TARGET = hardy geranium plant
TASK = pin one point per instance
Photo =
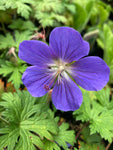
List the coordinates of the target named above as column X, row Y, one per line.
column 62, row 66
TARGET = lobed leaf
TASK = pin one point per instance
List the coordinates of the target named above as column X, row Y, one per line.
column 99, row 115
column 21, row 5
column 14, row 72
column 90, row 141
column 61, row 139
column 27, row 122
column 20, row 24
column 14, row 42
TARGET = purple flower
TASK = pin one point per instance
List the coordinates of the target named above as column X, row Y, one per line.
column 62, row 65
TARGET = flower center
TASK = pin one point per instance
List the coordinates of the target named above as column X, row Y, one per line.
column 57, row 69
column 61, row 68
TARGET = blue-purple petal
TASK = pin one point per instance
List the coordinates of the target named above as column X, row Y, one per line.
column 35, row 80
column 67, row 44
column 66, row 95
column 91, row 73
column 35, row 53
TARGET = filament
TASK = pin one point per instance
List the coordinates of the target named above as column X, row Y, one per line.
column 47, row 87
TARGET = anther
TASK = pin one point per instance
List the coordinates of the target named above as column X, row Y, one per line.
column 46, row 87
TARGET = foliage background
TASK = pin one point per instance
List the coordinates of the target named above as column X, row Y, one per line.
column 28, row 123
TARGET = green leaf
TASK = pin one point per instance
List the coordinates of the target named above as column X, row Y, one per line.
column 65, row 136
column 99, row 116
column 14, row 42
column 89, row 142
column 20, row 24
column 9, row 138
column 100, row 124
column 85, row 146
column 36, row 140
column 61, row 138
column 50, row 13
column 90, row 139
column 22, row 6
column 27, row 139
column 49, row 5
column 47, row 19
column 100, row 13
column 83, row 112
column 103, row 97
column 28, row 122
column 106, row 43
column 79, row 17
column 82, row 15
column 92, row 11
column 104, row 14
column 23, row 9
column 14, row 72
column 4, row 41
column 41, row 127
column 51, row 146
column 71, row 8
column 21, row 36
column 2, row 7
column 108, row 38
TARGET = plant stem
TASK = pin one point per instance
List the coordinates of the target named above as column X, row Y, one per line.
column 91, row 34
column 107, row 147
column 78, row 134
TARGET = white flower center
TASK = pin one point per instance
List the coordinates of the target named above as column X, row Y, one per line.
column 59, row 70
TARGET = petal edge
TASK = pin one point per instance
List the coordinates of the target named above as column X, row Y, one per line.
column 67, row 96
column 91, row 73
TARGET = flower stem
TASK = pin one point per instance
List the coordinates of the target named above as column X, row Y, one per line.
column 91, row 34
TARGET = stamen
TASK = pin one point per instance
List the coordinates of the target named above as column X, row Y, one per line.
column 47, row 87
